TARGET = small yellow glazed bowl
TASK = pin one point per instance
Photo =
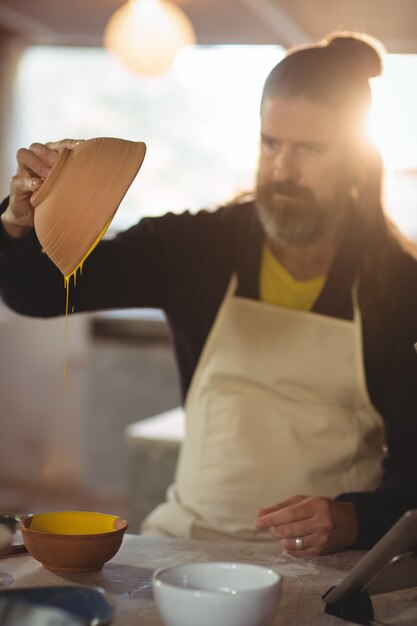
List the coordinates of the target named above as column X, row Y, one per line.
column 72, row 542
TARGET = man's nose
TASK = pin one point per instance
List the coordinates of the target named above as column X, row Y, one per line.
column 285, row 165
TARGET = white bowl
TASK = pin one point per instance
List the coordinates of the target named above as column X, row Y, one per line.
column 214, row 594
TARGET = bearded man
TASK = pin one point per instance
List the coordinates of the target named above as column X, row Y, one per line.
column 292, row 316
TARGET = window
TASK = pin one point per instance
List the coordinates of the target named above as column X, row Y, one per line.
column 200, row 121
column 394, row 127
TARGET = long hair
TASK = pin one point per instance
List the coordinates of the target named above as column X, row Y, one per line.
column 336, row 72
column 384, row 250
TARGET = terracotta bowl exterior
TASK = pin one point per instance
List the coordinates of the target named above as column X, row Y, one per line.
column 80, row 196
column 72, row 542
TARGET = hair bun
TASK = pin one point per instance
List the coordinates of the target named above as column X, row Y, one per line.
column 361, row 51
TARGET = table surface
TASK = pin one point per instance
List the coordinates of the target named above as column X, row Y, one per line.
column 126, row 579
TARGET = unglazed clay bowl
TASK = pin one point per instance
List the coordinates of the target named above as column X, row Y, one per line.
column 80, row 196
column 72, row 542
column 230, row 594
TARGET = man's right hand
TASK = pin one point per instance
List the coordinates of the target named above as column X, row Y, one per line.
column 33, row 166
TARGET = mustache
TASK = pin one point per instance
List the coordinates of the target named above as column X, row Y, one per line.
column 287, row 188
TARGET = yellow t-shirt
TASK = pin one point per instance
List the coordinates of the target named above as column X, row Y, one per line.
column 278, row 287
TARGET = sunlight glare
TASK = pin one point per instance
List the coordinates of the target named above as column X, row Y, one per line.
column 393, row 120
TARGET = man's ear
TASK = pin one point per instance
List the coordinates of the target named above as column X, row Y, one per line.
column 356, row 170
column 367, row 171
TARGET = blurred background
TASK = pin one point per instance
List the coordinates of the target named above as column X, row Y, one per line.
column 187, row 83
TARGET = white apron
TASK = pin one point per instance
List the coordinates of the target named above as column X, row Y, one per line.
column 278, row 406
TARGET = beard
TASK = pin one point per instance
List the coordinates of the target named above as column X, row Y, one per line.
column 290, row 213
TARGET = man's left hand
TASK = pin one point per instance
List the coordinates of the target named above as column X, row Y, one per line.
column 324, row 525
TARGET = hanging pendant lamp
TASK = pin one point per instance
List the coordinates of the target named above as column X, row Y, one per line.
column 146, row 35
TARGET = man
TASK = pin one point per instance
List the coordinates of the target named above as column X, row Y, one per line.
column 293, row 319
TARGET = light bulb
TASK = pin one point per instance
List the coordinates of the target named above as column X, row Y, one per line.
column 146, row 35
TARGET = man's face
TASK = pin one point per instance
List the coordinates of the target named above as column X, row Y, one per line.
column 304, row 178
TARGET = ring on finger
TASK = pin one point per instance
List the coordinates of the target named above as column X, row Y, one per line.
column 299, row 543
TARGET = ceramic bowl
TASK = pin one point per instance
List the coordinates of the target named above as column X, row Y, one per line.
column 71, row 542
column 5, row 539
column 80, row 196
column 230, row 594
column 11, row 521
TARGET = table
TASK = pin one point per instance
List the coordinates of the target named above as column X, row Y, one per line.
column 127, row 579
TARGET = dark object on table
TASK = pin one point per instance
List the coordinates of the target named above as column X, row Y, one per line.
column 86, row 604
column 389, row 566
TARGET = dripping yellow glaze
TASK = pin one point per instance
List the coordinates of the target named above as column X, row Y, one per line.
column 67, row 281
